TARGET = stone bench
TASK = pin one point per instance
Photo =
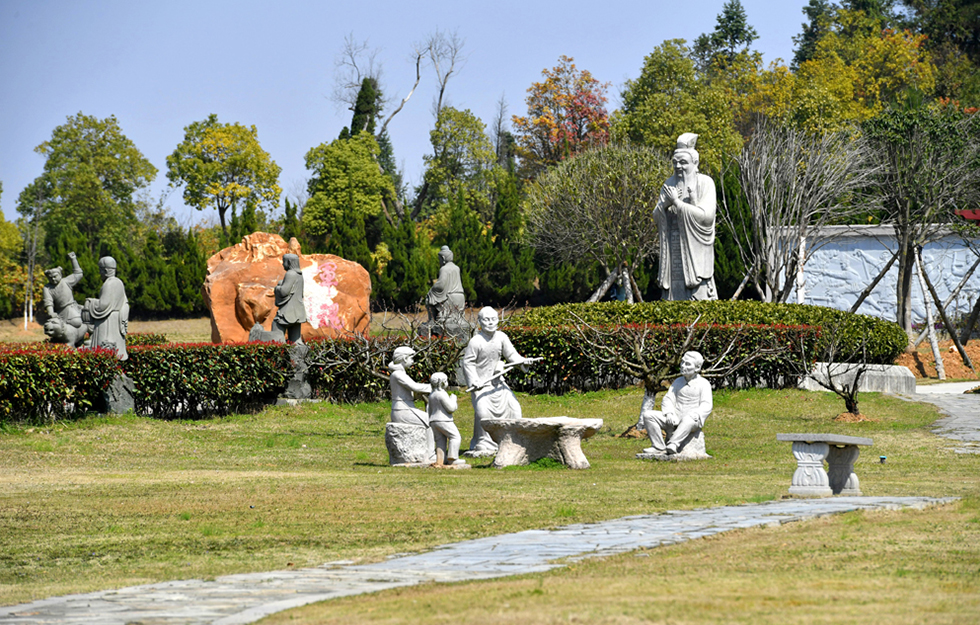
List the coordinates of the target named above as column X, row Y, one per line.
column 523, row 441
column 840, row 452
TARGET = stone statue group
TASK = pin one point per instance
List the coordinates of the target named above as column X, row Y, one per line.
column 685, row 216
column 104, row 318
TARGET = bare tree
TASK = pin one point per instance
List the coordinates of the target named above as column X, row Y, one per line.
column 793, row 184
column 599, row 206
column 445, row 52
column 833, row 367
column 927, row 165
column 639, row 352
column 356, row 61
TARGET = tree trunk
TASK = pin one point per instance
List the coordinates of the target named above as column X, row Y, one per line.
column 967, row 332
column 604, row 287
column 871, row 287
column 930, row 327
column 906, row 269
column 942, row 313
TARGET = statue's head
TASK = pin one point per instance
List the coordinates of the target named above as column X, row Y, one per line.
column 686, row 159
column 107, row 267
column 487, row 317
column 439, row 380
column 691, row 364
column 445, row 255
column 54, row 275
column 290, row 261
column 403, row 356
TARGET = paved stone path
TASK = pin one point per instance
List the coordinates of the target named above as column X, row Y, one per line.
column 962, row 420
column 239, row 599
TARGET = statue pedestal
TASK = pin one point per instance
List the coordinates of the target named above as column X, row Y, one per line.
column 408, row 445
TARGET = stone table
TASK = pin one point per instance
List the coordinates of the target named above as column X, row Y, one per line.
column 523, row 441
column 840, row 452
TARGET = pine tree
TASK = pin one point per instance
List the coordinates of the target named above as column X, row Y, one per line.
column 511, row 271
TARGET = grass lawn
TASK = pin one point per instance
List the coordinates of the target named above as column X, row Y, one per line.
column 110, row 502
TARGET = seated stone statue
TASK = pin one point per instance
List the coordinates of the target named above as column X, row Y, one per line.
column 484, row 362
column 64, row 323
column 446, row 301
column 109, row 313
column 682, row 414
column 442, row 405
column 409, row 437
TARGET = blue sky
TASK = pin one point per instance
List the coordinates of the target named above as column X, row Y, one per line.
column 158, row 66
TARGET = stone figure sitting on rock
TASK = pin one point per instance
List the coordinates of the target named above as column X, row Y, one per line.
column 109, row 313
column 446, row 301
column 442, row 405
column 488, row 355
column 682, row 414
column 64, row 323
column 411, row 440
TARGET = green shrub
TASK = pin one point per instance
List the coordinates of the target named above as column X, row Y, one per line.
column 885, row 340
column 43, row 382
column 200, row 379
column 137, row 339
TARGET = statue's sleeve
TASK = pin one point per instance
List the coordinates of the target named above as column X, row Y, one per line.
column 439, row 291
column 76, row 273
column 507, row 350
column 706, row 405
column 469, row 363
column 669, row 403
column 111, row 299
column 406, row 380
column 452, row 403
column 284, row 290
column 47, row 300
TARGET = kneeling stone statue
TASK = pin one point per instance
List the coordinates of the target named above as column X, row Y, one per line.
column 681, row 416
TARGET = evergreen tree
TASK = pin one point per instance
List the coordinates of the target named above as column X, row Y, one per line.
column 511, row 271
column 367, row 107
column 819, row 14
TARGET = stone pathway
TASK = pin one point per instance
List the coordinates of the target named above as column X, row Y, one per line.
column 962, row 420
column 239, row 599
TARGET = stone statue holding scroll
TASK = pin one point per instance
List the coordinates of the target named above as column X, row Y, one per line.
column 685, row 215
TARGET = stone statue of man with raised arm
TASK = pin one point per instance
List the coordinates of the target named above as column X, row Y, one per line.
column 685, row 215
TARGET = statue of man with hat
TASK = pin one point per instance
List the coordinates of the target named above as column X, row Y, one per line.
column 685, row 215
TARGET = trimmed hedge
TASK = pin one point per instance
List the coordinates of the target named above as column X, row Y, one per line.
column 192, row 380
column 885, row 339
column 41, row 382
column 568, row 364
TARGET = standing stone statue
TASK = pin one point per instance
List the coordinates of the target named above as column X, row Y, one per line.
column 682, row 414
column 446, row 301
column 64, row 323
column 441, row 407
column 484, row 367
column 109, row 313
column 408, row 436
column 685, row 215
column 291, row 315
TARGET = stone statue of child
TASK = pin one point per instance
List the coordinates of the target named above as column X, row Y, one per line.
column 685, row 216
column 682, row 414
column 64, row 323
column 446, row 301
column 291, row 315
column 109, row 313
column 441, row 407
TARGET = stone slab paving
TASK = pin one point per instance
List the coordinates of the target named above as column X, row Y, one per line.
column 246, row 598
column 962, row 420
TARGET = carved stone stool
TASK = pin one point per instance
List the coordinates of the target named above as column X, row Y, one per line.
column 522, row 441
column 840, row 452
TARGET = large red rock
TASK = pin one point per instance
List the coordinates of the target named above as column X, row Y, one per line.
column 238, row 290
